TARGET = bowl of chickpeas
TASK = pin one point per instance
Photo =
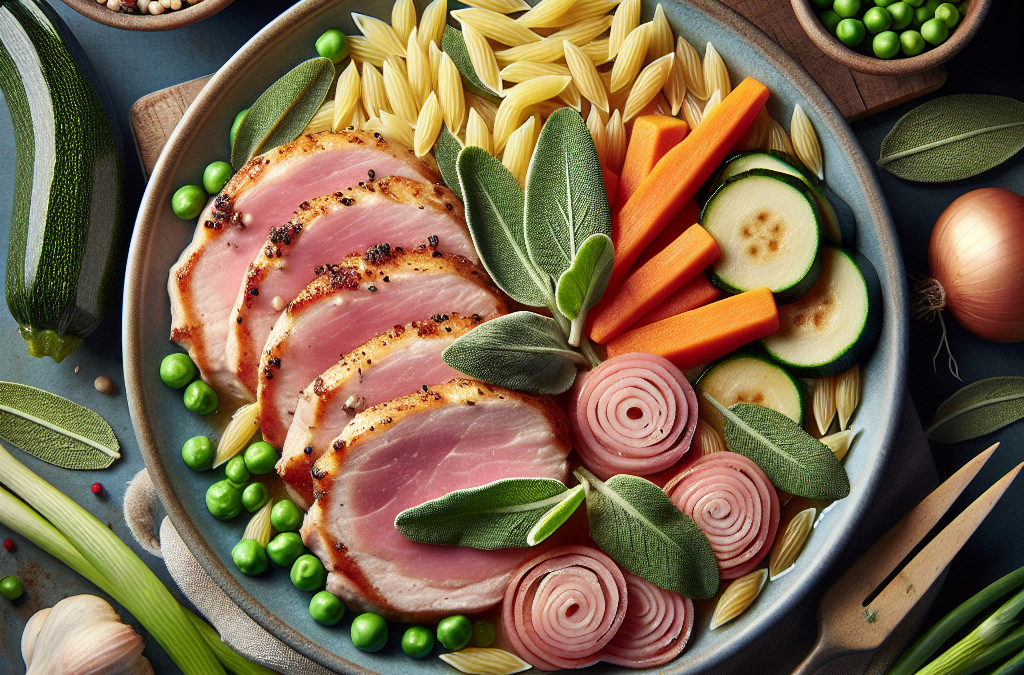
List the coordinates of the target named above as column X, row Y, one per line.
column 890, row 37
column 147, row 14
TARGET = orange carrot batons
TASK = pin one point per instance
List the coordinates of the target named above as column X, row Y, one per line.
column 706, row 333
column 612, row 184
column 679, row 224
column 653, row 136
column 695, row 293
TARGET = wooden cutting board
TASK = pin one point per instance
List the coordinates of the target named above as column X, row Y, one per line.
column 857, row 95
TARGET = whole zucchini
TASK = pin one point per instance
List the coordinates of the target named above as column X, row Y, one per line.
column 67, row 226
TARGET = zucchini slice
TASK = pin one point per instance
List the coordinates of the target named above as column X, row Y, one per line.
column 836, row 324
column 768, row 228
column 748, row 378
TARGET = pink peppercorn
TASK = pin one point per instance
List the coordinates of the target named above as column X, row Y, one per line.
column 9, row 544
column 97, row 488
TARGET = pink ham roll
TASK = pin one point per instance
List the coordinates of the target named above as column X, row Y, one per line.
column 634, row 413
column 564, row 606
column 656, row 628
column 734, row 503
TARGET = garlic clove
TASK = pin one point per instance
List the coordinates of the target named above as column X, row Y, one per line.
column 102, row 648
column 28, row 637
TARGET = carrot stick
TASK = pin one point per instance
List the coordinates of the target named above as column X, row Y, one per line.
column 695, row 293
column 653, row 136
column 612, row 184
column 646, row 287
column 706, row 333
column 679, row 224
column 680, row 173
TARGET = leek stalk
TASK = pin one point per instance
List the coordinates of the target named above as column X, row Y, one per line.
column 970, row 650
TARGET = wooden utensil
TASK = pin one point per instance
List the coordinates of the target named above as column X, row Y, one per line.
column 847, row 622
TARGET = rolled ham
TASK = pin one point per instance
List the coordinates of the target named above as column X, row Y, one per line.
column 734, row 503
column 564, row 606
column 634, row 414
column 656, row 628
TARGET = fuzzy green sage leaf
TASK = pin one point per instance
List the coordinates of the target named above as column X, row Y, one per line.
column 954, row 137
column 582, row 285
column 502, row 514
column 638, row 526
column 792, row 459
column 522, row 351
column 978, row 409
column 281, row 112
column 446, row 152
column 54, row 429
column 454, row 45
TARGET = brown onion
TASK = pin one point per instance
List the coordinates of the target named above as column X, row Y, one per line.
column 656, row 628
column 976, row 256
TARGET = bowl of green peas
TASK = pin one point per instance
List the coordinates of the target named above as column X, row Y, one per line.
column 890, row 37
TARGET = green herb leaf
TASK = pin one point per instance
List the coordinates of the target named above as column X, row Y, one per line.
column 792, row 459
column 978, row 409
column 638, row 526
column 954, row 137
column 565, row 198
column 454, row 45
column 446, row 152
column 54, row 429
column 556, row 516
column 281, row 112
column 583, row 284
column 501, row 514
column 522, row 351
column 494, row 214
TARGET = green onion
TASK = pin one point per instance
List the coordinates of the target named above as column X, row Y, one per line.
column 929, row 643
column 1014, row 666
column 997, row 652
column 964, row 654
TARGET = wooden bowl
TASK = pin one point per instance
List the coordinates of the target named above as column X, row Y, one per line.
column 828, row 43
column 166, row 21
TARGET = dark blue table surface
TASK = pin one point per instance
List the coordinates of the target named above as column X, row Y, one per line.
column 133, row 64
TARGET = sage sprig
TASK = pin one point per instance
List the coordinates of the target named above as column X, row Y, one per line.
column 281, row 112
column 54, row 429
column 502, row 514
column 978, row 409
column 454, row 45
column 792, row 459
column 638, row 526
column 954, row 137
column 446, row 152
column 582, row 285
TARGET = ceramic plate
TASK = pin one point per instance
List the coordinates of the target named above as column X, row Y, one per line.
column 162, row 424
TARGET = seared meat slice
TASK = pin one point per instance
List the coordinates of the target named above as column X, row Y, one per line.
column 351, row 302
column 204, row 283
column 397, row 210
column 400, row 454
column 391, row 365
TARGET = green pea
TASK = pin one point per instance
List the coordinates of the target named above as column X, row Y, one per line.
column 935, row 31
column 238, row 122
column 260, row 457
column 947, row 13
column 197, row 453
column 223, row 500
column 483, row 633
column 11, row 588
column 216, row 176
column 307, row 573
column 332, row 45
column 850, row 32
column 285, row 549
column 914, row 3
column 877, row 20
column 823, row 4
column 455, row 632
column 902, row 14
column 249, row 557
column 369, row 632
column 235, row 470
column 962, row 7
column 326, row 608
column 188, row 201
column 884, row 3
column 255, row 497
column 286, row 516
column 200, row 398
column 932, row 5
column 886, row 44
column 830, row 20
column 177, row 370
column 846, row 8
column 417, row 641
column 912, row 42
column 921, row 14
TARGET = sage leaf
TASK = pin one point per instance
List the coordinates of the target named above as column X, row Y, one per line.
column 494, row 215
column 54, row 429
column 638, row 526
column 565, row 198
column 978, row 409
column 454, row 45
column 954, row 137
column 446, row 152
column 556, row 516
column 498, row 515
column 792, row 459
column 582, row 285
column 281, row 112
column 522, row 351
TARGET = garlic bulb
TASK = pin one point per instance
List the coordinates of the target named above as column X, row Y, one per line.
column 82, row 635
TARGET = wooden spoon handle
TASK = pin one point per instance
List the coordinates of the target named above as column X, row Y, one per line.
column 824, row 652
